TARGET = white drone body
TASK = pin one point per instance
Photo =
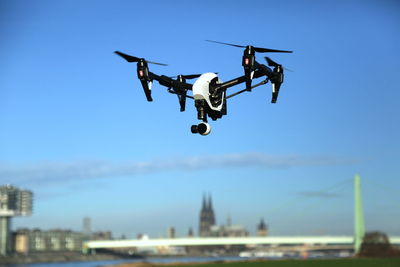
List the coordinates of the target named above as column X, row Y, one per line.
column 201, row 89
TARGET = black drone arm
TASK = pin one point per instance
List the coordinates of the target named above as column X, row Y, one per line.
column 236, row 81
column 247, row 90
column 261, row 70
column 177, row 87
column 168, row 82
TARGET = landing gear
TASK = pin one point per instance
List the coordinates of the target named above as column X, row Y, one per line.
column 202, row 128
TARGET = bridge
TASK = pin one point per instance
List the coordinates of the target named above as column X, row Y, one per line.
column 207, row 241
column 324, row 241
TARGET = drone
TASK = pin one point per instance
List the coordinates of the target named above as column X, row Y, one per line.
column 208, row 91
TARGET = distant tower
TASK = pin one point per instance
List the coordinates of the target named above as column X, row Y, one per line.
column 211, row 211
column 207, row 217
column 87, row 227
column 229, row 221
column 190, row 232
column 203, row 227
column 171, row 232
column 262, row 228
column 13, row 202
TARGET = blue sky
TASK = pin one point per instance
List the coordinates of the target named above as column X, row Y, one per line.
column 75, row 127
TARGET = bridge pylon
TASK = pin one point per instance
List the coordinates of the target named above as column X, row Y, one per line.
column 359, row 227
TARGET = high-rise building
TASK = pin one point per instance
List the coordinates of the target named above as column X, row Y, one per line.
column 190, row 232
column 87, row 227
column 171, row 232
column 13, row 202
column 25, row 202
column 207, row 217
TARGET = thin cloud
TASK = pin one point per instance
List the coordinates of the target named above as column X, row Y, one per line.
column 63, row 171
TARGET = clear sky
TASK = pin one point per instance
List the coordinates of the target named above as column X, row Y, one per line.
column 75, row 127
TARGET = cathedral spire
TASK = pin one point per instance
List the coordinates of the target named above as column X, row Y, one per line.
column 210, row 208
column 204, row 207
column 210, row 211
column 207, row 217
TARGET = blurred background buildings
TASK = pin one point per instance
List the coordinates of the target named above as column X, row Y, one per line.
column 18, row 202
column 13, row 202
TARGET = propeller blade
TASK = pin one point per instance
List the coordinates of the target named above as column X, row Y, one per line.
column 127, row 57
column 136, row 59
column 264, row 50
column 270, row 62
column 235, row 45
column 257, row 49
column 156, row 63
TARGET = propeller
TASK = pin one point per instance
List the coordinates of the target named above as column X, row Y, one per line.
column 142, row 72
column 272, row 63
column 136, row 59
column 257, row 49
column 248, row 60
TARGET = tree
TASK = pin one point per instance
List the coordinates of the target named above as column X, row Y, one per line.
column 376, row 244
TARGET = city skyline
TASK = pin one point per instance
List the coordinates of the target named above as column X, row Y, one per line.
column 206, row 207
column 202, row 214
column 76, row 129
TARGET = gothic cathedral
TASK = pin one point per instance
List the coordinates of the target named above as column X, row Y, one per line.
column 207, row 217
